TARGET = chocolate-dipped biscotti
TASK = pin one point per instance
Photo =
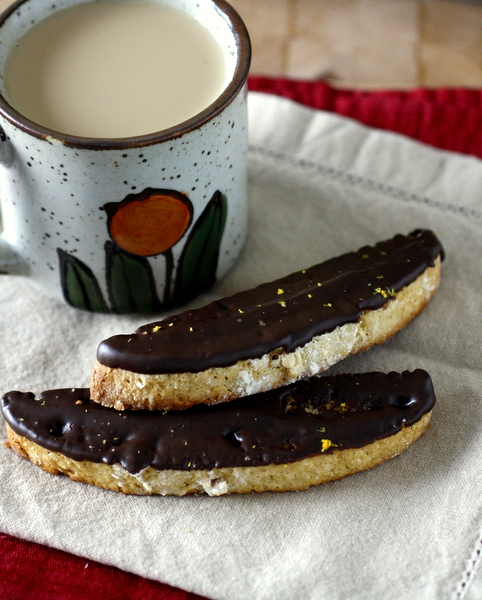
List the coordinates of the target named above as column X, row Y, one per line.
column 274, row 334
column 305, row 434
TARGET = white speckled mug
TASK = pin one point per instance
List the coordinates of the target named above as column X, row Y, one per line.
column 134, row 224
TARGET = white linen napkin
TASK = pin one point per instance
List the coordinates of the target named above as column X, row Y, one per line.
column 320, row 185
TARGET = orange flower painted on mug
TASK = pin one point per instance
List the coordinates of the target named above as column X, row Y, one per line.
column 149, row 223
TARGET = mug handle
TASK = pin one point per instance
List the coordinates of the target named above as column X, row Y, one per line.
column 10, row 261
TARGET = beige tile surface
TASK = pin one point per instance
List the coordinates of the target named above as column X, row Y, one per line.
column 369, row 39
column 367, row 43
column 269, row 23
column 452, row 43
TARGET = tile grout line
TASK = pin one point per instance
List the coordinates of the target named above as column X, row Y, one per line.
column 289, row 36
column 421, row 21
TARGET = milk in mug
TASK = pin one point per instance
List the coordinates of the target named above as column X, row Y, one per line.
column 115, row 69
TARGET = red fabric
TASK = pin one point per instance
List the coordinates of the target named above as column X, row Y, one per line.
column 450, row 119
column 30, row 571
column 446, row 118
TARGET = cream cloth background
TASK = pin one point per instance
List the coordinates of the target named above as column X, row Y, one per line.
column 320, row 185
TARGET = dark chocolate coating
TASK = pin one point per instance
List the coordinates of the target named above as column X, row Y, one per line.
column 281, row 426
column 284, row 314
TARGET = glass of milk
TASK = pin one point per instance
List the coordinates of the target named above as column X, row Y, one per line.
column 123, row 147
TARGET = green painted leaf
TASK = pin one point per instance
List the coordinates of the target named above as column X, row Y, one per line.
column 130, row 282
column 79, row 284
column 196, row 271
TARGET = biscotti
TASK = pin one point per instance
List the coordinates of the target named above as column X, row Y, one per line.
column 272, row 335
column 305, row 434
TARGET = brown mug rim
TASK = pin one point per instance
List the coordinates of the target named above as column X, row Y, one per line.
column 236, row 84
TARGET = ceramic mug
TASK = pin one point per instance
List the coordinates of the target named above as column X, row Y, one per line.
column 84, row 219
